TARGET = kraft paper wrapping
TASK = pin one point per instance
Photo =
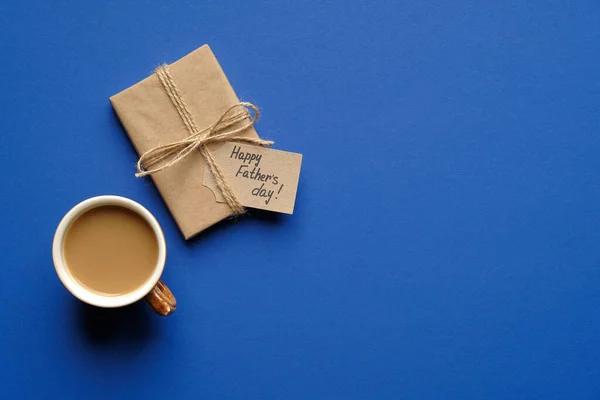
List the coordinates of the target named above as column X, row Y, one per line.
column 150, row 119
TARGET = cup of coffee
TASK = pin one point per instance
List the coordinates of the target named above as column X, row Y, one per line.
column 110, row 251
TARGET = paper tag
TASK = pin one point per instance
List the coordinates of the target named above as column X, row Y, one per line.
column 259, row 176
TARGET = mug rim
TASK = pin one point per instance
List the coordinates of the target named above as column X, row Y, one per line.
column 83, row 293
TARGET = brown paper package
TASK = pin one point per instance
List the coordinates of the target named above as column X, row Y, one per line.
column 150, row 119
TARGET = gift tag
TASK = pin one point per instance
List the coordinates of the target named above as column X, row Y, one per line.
column 259, row 176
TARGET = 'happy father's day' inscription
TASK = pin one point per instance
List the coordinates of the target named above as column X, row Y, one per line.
column 250, row 169
column 260, row 177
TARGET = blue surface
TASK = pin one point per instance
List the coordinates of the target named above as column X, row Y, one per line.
column 445, row 240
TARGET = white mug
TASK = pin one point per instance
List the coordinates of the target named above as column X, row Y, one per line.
column 156, row 293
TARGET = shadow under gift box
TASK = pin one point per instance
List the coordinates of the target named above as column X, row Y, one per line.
column 150, row 120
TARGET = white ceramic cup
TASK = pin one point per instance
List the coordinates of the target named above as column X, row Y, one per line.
column 156, row 293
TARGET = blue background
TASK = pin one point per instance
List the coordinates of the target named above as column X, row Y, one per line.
column 445, row 239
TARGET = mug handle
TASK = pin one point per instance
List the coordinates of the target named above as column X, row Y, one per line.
column 161, row 299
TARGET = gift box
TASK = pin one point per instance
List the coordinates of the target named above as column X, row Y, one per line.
column 150, row 120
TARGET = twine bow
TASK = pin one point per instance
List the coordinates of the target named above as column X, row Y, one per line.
column 235, row 120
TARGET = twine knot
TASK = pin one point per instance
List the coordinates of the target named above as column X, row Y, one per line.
column 233, row 121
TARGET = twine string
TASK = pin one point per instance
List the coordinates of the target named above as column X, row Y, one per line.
column 226, row 129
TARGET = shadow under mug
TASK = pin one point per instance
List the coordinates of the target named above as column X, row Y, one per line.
column 155, row 292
